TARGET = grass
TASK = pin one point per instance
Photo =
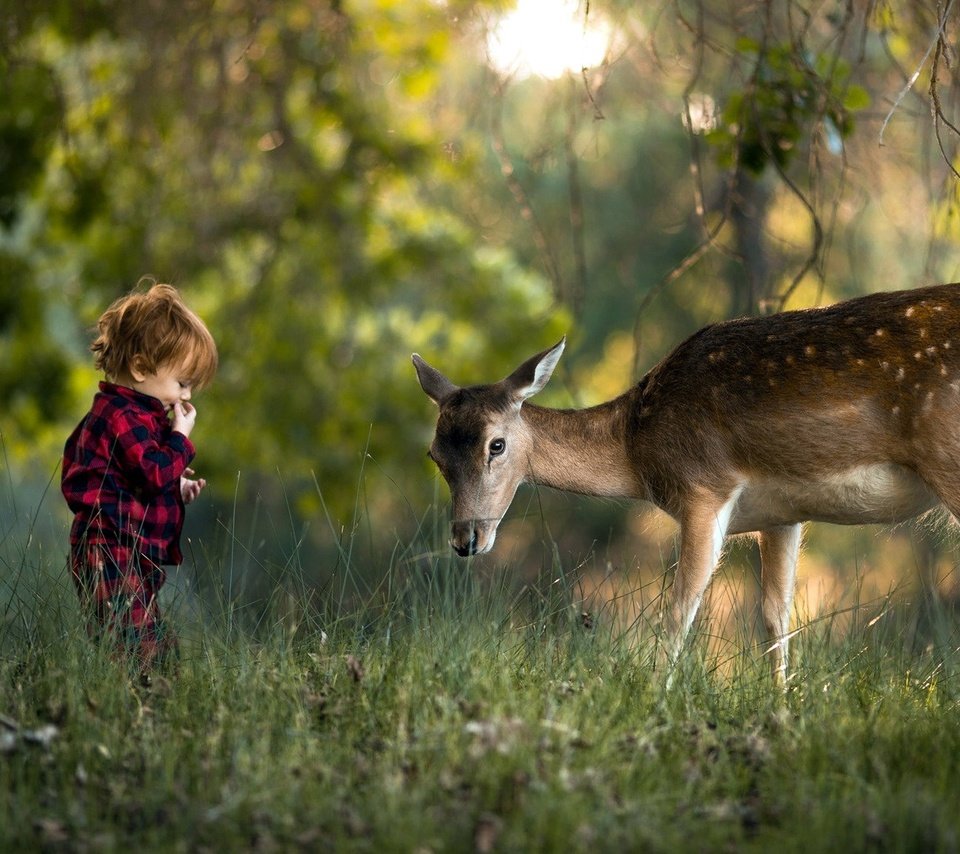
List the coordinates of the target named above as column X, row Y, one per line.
column 449, row 710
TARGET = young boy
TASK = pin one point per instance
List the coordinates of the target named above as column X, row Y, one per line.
column 126, row 472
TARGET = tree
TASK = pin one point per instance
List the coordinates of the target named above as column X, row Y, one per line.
column 274, row 160
column 798, row 124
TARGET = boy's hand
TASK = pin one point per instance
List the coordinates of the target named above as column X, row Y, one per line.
column 189, row 488
column 184, row 417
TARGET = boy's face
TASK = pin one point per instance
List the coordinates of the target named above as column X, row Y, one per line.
column 167, row 385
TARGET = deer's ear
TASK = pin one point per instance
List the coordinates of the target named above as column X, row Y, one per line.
column 436, row 386
column 534, row 374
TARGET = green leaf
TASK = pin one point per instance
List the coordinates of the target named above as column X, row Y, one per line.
column 856, row 98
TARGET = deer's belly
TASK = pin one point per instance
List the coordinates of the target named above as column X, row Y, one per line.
column 882, row 493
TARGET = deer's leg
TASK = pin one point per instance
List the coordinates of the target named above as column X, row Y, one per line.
column 703, row 528
column 947, row 488
column 942, row 475
column 779, row 550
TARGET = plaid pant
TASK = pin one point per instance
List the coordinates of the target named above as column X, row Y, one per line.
column 118, row 589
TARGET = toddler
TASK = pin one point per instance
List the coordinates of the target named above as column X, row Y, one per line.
column 126, row 472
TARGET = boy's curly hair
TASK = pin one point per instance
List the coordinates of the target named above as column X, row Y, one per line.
column 153, row 329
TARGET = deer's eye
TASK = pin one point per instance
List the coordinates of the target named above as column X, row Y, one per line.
column 497, row 447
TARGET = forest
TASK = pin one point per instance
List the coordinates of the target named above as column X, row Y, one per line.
column 336, row 185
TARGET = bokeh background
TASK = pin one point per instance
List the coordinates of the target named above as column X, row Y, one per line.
column 335, row 184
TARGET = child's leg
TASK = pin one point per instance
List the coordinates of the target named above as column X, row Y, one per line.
column 118, row 589
column 96, row 575
column 149, row 634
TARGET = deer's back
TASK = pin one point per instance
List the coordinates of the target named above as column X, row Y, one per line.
column 863, row 382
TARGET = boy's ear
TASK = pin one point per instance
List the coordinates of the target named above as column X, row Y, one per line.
column 138, row 368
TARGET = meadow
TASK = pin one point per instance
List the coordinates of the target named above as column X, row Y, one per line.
column 445, row 706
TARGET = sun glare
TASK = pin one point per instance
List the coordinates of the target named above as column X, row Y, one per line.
column 547, row 38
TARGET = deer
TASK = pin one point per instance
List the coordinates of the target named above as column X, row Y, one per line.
column 846, row 414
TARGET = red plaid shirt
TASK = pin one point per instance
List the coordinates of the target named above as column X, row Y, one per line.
column 121, row 475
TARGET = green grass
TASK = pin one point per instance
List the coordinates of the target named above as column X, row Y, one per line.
column 450, row 710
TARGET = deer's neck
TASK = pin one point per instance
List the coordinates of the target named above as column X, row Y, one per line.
column 581, row 450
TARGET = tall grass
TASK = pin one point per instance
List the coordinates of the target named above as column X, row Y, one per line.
column 445, row 707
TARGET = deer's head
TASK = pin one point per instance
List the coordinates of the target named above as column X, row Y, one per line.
column 482, row 446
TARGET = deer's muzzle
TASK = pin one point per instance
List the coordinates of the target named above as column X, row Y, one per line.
column 471, row 537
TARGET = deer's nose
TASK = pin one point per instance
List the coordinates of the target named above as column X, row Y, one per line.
column 464, row 539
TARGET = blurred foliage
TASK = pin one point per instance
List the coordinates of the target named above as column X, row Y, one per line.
column 334, row 185
column 277, row 161
column 29, row 118
column 789, row 93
